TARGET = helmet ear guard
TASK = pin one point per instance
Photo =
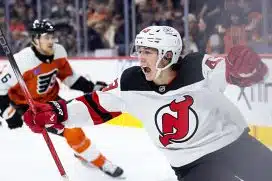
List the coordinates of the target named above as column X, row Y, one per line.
column 166, row 60
column 168, row 56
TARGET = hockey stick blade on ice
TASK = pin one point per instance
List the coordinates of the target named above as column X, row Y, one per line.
column 30, row 102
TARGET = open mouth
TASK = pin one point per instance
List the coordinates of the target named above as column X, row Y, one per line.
column 146, row 69
column 50, row 46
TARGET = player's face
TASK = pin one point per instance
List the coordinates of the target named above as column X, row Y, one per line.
column 148, row 58
column 45, row 44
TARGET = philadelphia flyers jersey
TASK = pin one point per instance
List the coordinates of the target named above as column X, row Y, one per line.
column 40, row 77
column 186, row 119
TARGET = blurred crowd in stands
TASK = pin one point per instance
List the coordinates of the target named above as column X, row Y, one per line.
column 214, row 25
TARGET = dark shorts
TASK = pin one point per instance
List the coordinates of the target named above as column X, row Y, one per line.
column 246, row 159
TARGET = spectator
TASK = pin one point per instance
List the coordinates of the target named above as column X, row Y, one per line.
column 17, row 24
column 101, row 28
column 235, row 33
column 19, row 41
column 94, row 40
column 177, row 21
column 238, row 23
column 191, row 45
column 254, row 19
column 215, row 44
column 62, row 15
column 209, row 13
column 98, row 12
column 217, row 24
column 2, row 16
column 110, row 33
column 30, row 16
column 19, row 10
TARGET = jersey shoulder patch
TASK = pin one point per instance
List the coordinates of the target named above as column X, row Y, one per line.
column 210, row 63
column 132, row 79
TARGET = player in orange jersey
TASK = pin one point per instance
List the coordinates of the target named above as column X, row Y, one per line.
column 41, row 65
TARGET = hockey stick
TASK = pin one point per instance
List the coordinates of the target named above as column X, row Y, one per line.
column 30, row 102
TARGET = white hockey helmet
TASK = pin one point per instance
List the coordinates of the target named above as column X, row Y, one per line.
column 164, row 39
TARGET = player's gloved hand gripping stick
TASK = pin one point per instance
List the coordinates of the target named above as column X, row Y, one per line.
column 30, row 102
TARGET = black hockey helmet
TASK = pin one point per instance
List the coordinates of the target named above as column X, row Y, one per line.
column 40, row 27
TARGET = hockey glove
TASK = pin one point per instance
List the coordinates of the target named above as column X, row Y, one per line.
column 14, row 121
column 99, row 85
column 51, row 114
column 12, row 117
column 244, row 67
column 88, row 86
column 9, row 113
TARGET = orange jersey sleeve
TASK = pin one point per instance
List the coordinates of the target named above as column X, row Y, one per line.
column 65, row 69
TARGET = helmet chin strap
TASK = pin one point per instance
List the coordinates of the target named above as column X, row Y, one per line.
column 158, row 73
column 159, row 70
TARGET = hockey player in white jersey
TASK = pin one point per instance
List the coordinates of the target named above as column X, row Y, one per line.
column 41, row 65
column 182, row 106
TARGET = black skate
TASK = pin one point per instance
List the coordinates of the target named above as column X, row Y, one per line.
column 112, row 170
column 108, row 168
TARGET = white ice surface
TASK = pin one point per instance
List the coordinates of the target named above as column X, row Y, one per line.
column 24, row 156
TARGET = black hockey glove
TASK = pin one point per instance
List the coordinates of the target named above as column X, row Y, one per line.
column 99, row 85
column 12, row 117
column 15, row 121
column 7, row 112
column 87, row 86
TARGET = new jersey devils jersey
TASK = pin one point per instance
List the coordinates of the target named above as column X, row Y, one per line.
column 186, row 119
column 39, row 77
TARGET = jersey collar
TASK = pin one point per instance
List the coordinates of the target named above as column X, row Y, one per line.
column 41, row 57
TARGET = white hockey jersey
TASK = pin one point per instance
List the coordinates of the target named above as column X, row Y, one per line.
column 186, row 119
